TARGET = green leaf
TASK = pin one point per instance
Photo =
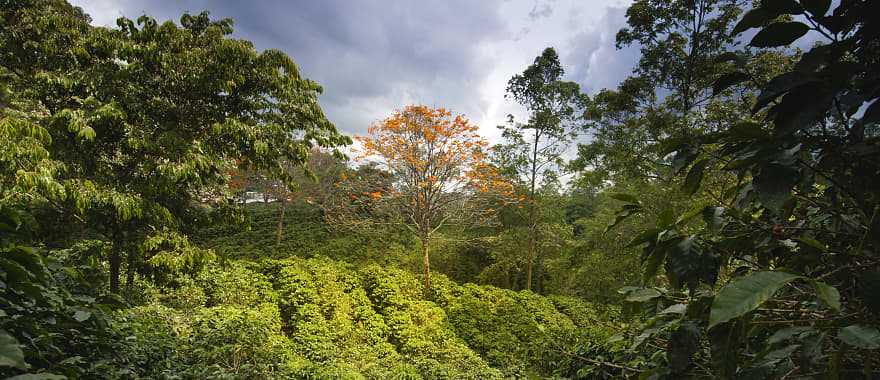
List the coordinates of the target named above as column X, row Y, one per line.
column 779, row 34
column 828, row 294
column 678, row 308
column 38, row 376
column 812, row 243
column 646, row 236
column 773, row 184
column 746, row 294
column 623, row 197
column 10, row 352
column 713, row 216
column 777, row 86
column 695, row 177
column 690, row 214
column 816, row 7
column 642, row 295
column 682, row 159
column 860, row 336
column 627, row 211
column 786, row 334
column 725, row 81
column 666, row 218
column 752, row 19
column 86, row 133
column 683, row 343
column 82, row 315
column 723, row 343
column 654, row 259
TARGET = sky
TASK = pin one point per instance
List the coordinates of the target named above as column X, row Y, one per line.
column 373, row 57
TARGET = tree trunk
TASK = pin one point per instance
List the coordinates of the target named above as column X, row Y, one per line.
column 280, row 231
column 532, row 222
column 129, row 273
column 115, row 261
column 531, row 248
column 539, row 284
column 427, row 263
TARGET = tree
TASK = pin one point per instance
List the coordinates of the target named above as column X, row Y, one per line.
column 534, row 150
column 148, row 118
column 790, row 250
column 437, row 161
column 672, row 93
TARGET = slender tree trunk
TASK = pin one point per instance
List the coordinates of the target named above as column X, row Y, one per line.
column 539, row 283
column 531, row 221
column 427, row 262
column 280, row 231
column 115, row 261
column 129, row 273
column 531, row 259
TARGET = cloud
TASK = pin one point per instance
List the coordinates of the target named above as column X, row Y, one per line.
column 372, row 57
column 540, row 10
column 595, row 61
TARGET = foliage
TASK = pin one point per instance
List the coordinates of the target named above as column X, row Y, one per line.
column 437, row 160
column 146, row 118
column 53, row 320
column 790, row 243
column 532, row 152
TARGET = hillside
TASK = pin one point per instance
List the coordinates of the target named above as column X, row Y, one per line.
column 316, row 317
column 699, row 199
column 319, row 318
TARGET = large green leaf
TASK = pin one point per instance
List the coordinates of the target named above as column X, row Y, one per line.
column 623, row 197
column 725, row 81
column 828, row 294
column 695, row 177
column 38, row 376
column 860, row 336
column 787, row 333
column 752, row 19
column 627, row 211
column 779, row 34
column 746, row 294
column 714, row 218
column 10, row 352
column 643, row 295
column 773, row 184
column 683, row 343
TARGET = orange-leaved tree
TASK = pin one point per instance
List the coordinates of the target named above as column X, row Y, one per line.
column 439, row 168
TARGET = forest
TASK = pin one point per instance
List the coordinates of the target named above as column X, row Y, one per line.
column 175, row 204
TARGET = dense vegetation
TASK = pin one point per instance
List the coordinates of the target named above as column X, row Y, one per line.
column 721, row 220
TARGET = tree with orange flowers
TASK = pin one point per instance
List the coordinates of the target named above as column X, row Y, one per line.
column 438, row 163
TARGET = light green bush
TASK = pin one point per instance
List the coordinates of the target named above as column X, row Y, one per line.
column 236, row 284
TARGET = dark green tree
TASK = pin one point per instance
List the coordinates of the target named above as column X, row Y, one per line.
column 148, row 118
column 777, row 276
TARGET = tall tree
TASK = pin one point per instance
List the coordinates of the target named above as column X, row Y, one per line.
column 684, row 49
column 437, row 161
column 148, row 118
column 796, row 234
column 534, row 149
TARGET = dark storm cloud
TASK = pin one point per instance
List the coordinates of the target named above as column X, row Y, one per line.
column 367, row 54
